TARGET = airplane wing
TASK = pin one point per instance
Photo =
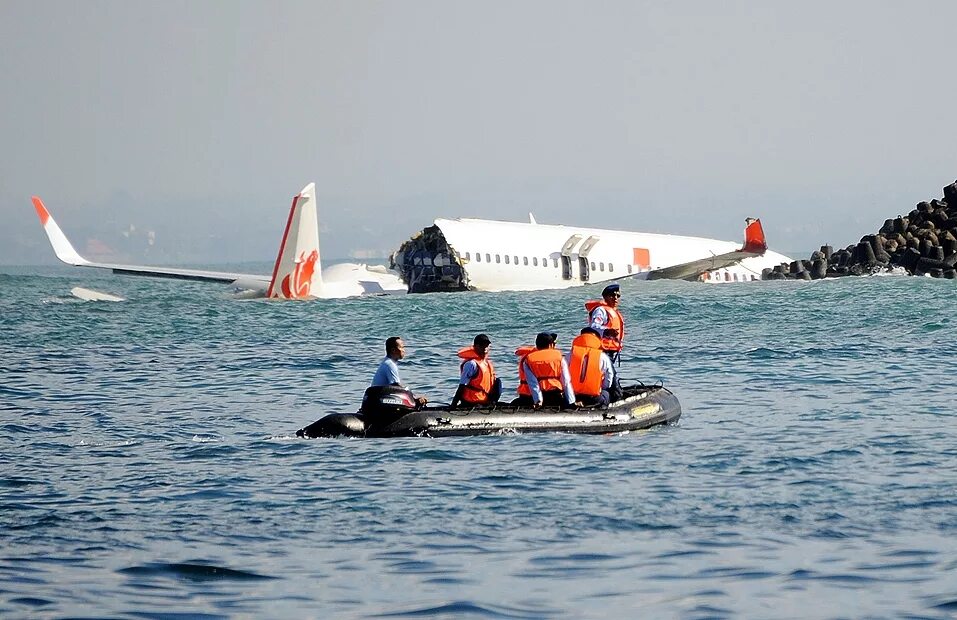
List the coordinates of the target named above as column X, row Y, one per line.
column 754, row 245
column 65, row 252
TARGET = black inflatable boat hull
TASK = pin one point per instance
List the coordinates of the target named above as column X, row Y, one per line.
column 643, row 407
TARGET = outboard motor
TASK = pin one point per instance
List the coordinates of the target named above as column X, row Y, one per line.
column 387, row 402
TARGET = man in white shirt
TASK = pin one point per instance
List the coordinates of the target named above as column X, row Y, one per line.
column 388, row 371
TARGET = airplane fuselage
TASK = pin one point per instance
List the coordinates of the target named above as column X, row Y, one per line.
column 488, row 255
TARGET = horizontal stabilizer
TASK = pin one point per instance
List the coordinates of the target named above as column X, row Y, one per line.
column 754, row 245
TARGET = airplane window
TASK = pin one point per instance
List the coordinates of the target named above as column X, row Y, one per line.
column 535, row 261
column 601, row 266
column 468, row 256
column 545, row 262
column 516, row 259
column 727, row 276
column 525, row 261
column 555, row 260
column 629, row 268
column 498, row 258
column 735, row 277
column 593, row 268
column 478, row 257
column 488, row 257
column 611, row 267
column 506, row 259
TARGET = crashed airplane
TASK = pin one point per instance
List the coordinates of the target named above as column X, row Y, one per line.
column 469, row 254
column 297, row 274
column 488, row 255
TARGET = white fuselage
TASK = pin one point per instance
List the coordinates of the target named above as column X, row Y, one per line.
column 502, row 256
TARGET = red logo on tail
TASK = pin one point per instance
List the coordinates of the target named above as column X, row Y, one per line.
column 296, row 285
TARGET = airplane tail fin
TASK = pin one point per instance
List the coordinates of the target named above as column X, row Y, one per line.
column 298, row 271
column 754, row 245
column 754, row 237
column 61, row 245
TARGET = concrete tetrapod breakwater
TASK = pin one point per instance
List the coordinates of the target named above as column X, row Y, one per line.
column 923, row 242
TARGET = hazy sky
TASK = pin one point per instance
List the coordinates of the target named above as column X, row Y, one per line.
column 199, row 121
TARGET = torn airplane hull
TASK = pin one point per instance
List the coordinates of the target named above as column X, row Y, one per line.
column 487, row 255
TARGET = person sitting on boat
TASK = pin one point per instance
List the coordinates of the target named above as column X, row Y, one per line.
column 604, row 315
column 388, row 371
column 477, row 382
column 547, row 374
column 591, row 370
column 524, row 393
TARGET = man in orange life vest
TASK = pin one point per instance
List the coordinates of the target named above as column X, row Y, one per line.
column 477, row 383
column 547, row 373
column 524, row 394
column 590, row 368
column 603, row 317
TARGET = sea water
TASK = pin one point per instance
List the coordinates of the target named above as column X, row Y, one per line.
column 149, row 466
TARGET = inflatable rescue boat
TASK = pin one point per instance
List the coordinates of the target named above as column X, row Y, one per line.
column 392, row 412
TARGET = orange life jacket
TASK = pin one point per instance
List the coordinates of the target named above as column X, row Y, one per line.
column 585, row 365
column 546, row 365
column 615, row 321
column 478, row 387
column 521, row 352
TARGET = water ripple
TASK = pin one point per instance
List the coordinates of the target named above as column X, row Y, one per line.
column 812, row 468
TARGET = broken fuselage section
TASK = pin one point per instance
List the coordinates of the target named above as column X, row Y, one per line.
column 487, row 255
column 428, row 264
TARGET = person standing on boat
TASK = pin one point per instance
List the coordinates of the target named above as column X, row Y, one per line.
column 604, row 318
column 388, row 371
column 591, row 370
column 547, row 373
column 477, row 382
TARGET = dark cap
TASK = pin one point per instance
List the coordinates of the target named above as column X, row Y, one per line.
column 610, row 333
column 611, row 288
column 591, row 330
column 544, row 339
column 482, row 339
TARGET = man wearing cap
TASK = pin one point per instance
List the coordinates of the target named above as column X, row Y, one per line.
column 591, row 370
column 547, row 373
column 388, row 371
column 477, row 382
column 604, row 318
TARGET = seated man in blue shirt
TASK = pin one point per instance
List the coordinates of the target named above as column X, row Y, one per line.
column 388, row 371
